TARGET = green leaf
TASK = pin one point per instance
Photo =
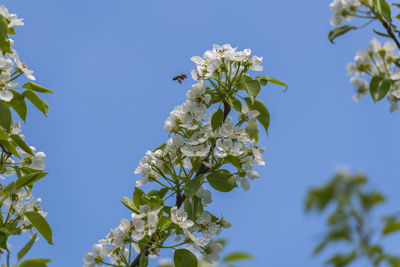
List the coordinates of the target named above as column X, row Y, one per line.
column 164, row 223
column 264, row 79
column 193, row 186
column 10, row 148
column 35, row 263
column 392, row 225
column 369, row 200
column 35, row 87
column 236, row 104
column 39, row 103
column 138, row 198
column 222, row 180
column 264, row 117
column 193, row 207
column 333, row 34
column 379, row 87
column 10, row 189
column 3, row 27
column 5, row 117
column 252, row 130
column 159, row 193
column 217, row 119
column 252, row 87
column 29, row 179
column 237, row 256
column 26, row 248
column 341, row 260
column 383, row 9
column 4, row 42
column 144, row 261
column 129, row 204
column 21, row 143
column 234, row 160
column 381, row 34
column 19, row 105
column 11, row 30
column 40, row 223
column 3, row 135
column 184, row 258
column 161, row 147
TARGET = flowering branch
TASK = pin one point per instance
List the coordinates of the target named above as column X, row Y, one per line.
column 205, row 149
column 19, row 162
column 381, row 63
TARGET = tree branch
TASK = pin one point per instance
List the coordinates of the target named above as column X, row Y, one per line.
column 180, row 198
column 390, row 33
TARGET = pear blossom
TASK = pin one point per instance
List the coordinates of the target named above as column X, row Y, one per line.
column 180, row 217
column 213, row 249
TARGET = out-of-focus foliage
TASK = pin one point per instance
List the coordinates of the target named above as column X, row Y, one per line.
column 348, row 207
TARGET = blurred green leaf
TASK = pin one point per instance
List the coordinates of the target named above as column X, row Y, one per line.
column 10, row 148
column 5, row 117
column 39, row 103
column 30, row 179
column 21, row 143
column 184, row 258
column 18, row 104
column 237, row 256
column 392, row 225
column 383, row 9
column 340, row 260
column 26, row 248
column 37, row 88
column 379, row 87
column 35, row 263
column 40, row 223
column 333, row 34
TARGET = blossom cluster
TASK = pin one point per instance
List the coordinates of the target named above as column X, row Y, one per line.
column 344, row 10
column 381, row 61
column 203, row 138
column 20, row 164
column 10, row 64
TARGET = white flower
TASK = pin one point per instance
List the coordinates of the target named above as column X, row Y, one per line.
column 22, row 66
column 214, row 248
column 198, row 94
column 38, row 161
column 145, row 227
column 256, row 63
column 119, row 235
column 227, row 147
column 342, row 10
column 196, row 151
column 198, row 138
column 180, row 217
column 205, row 195
column 257, row 151
column 14, row 20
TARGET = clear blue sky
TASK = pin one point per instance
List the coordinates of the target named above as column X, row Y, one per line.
column 111, row 63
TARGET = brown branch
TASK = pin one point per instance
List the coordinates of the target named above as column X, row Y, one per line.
column 390, row 32
column 180, row 198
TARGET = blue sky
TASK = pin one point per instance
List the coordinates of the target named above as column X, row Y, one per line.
column 111, row 63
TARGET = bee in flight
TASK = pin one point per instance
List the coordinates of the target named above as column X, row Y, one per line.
column 179, row 77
